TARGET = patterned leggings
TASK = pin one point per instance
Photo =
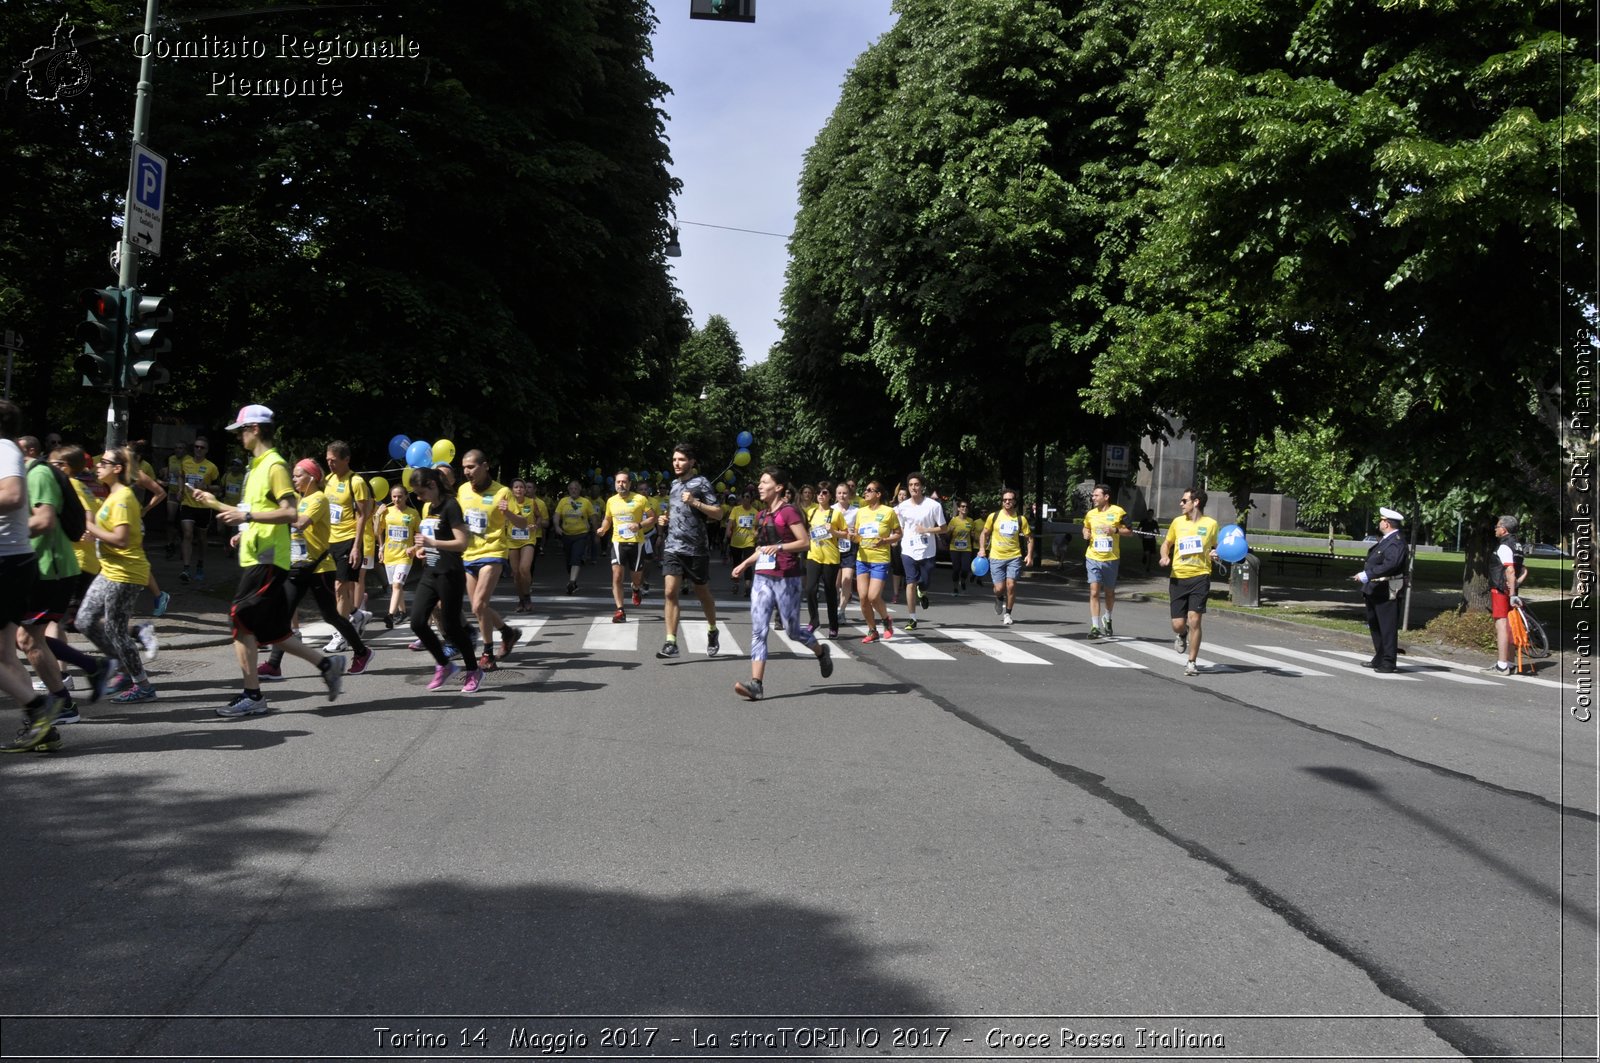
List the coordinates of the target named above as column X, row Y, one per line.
column 103, row 617
column 782, row 595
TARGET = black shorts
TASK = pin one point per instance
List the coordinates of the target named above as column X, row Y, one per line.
column 18, row 573
column 1188, row 595
column 261, row 604
column 342, row 569
column 696, row 568
column 629, row 555
column 198, row 516
column 50, row 600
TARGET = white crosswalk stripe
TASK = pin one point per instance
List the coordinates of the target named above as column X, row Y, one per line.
column 1409, row 666
column 909, row 647
column 803, row 650
column 1095, row 657
column 693, row 637
column 605, row 635
column 1165, row 651
column 989, row 646
column 1326, row 662
column 1458, row 666
column 1265, row 662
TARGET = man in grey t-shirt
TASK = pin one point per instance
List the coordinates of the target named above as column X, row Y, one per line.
column 686, row 550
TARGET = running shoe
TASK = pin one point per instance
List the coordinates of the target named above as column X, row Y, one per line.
column 713, row 643
column 833, row 632
column 415, row 646
column 40, row 688
column 149, row 645
column 36, row 727
column 749, row 689
column 618, row 617
column 825, row 662
column 572, row 588
column 245, row 705
column 136, row 693
column 922, row 597
column 68, row 713
column 474, row 677
column 1191, row 669
column 888, row 631
column 668, row 649
column 333, row 675
column 637, row 598
column 999, row 606
column 163, row 600
column 388, row 621
column 268, row 670
column 509, row 637
column 1005, row 618
column 870, row 637
column 183, row 577
column 119, row 683
column 359, row 662
column 1094, row 632
column 910, row 624
column 441, row 673
column 337, row 644
column 99, row 679
column 1105, row 625
column 51, row 741
column 358, row 620
column 1180, row 643
column 486, row 663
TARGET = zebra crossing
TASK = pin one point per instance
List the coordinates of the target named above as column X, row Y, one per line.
column 935, row 646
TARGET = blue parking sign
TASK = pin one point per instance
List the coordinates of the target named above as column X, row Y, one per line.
column 147, row 180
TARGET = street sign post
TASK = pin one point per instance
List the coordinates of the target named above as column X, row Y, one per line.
column 1115, row 461
column 147, row 193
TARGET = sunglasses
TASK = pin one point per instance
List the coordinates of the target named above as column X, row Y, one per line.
column 107, row 461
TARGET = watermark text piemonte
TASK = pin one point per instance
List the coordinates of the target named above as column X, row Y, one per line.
column 315, row 51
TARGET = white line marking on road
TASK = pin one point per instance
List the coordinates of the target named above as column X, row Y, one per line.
column 604, row 635
column 1354, row 669
column 1165, row 651
column 1095, row 657
column 989, row 646
column 1265, row 662
column 1410, row 665
column 692, row 633
column 908, row 647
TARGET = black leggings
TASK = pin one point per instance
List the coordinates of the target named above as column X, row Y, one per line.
column 444, row 588
column 960, row 566
column 828, row 576
column 320, row 586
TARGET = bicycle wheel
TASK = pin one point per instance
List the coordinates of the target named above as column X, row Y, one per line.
column 1538, row 645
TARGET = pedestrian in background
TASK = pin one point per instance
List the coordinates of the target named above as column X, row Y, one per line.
column 1506, row 576
column 1382, row 579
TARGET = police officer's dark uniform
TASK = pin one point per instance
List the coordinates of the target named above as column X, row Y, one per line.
column 1382, row 580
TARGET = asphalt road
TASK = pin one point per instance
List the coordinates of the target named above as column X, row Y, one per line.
column 978, row 836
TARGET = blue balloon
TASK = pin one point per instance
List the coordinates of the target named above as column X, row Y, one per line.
column 980, row 567
column 1231, row 544
column 744, row 439
column 397, row 447
column 419, row 455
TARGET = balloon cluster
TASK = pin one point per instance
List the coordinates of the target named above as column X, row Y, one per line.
column 741, row 457
column 415, row 454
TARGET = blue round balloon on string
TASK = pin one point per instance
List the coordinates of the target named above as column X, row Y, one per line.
column 397, row 447
column 980, row 567
column 419, row 455
column 1231, row 544
column 744, row 439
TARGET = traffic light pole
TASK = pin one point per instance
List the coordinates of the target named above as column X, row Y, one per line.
column 128, row 257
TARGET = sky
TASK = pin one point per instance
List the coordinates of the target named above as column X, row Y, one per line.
column 747, row 101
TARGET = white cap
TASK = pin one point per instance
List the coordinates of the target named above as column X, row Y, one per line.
column 253, row 414
column 1388, row 514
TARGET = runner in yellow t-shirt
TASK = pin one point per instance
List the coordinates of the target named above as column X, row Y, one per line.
column 742, row 534
column 525, row 541
column 873, row 532
column 629, row 519
column 397, row 521
column 827, row 527
column 486, row 507
column 1003, row 534
column 196, row 472
column 1103, row 528
column 1189, row 548
column 574, row 518
column 349, row 509
column 117, row 531
column 961, row 531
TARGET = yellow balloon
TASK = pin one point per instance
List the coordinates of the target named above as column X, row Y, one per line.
column 380, row 487
column 721, row 487
column 741, row 458
column 444, row 451
column 405, row 478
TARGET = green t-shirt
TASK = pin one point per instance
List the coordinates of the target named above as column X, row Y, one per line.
column 57, row 559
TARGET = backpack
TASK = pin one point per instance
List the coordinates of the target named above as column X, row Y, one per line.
column 69, row 515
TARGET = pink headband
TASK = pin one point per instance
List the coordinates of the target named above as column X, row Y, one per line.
column 310, row 467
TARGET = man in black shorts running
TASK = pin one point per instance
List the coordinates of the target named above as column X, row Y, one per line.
column 686, row 548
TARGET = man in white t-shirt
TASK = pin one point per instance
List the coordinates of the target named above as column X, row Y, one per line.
column 18, row 571
column 921, row 519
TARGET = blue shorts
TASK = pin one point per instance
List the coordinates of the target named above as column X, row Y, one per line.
column 1102, row 572
column 917, row 571
column 1000, row 571
column 483, row 562
column 878, row 570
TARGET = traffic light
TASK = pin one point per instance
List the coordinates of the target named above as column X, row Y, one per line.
column 723, row 10
column 101, row 334
column 147, row 341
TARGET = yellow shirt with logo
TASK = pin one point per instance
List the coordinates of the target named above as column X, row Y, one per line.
column 486, row 524
column 1105, row 539
column 874, row 524
column 826, row 526
column 122, row 564
column 742, row 526
column 232, row 488
column 1189, row 545
column 399, row 528
column 1006, row 533
column 960, row 532
column 345, row 495
column 196, row 476
column 311, row 542
column 88, row 556
column 522, row 538
column 626, row 516
column 575, row 515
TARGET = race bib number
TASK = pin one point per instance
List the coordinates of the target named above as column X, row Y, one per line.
column 766, row 562
column 868, row 531
column 194, row 481
column 960, row 544
column 477, row 521
column 1190, row 544
column 298, row 551
column 1007, row 527
column 627, row 530
column 747, row 522
column 430, row 528
column 335, row 513
column 397, row 534
column 820, row 532
column 1102, row 543
column 919, row 541
column 519, row 533
column 845, row 546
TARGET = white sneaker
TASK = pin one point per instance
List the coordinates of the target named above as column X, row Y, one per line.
column 148, row 644
column 337, row 644
column 1191, row 669
column 66, row 684
column 1006, row 619
column 358, row 620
